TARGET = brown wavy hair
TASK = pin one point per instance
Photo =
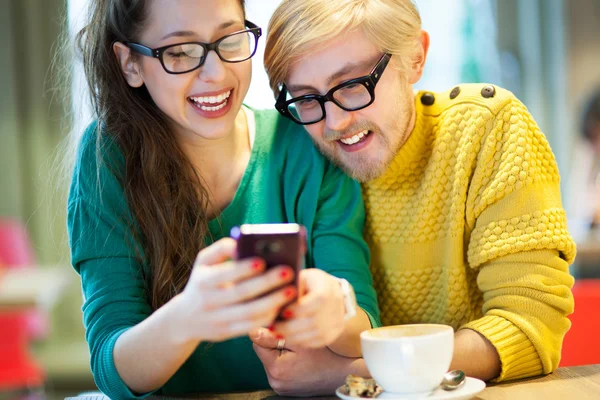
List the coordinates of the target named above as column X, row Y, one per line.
column 163, row 191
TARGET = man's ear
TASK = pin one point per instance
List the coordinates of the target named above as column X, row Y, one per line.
column 131, row 69
column 418, row 64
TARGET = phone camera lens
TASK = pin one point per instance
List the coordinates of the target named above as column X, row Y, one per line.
column 265, row 247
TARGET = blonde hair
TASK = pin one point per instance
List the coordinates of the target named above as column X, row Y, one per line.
column 297, row 26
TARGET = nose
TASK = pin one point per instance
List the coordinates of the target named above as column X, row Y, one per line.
column 213, row 69
column 336, row 119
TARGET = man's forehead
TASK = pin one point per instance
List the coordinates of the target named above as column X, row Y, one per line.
column 338, row 71
column 325, row 63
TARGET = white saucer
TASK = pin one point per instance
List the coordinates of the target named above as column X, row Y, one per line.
column 471, row 387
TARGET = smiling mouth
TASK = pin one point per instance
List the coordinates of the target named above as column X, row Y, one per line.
column 211, row 103
column 357, row 138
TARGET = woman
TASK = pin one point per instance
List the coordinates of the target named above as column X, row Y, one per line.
column 173, row 163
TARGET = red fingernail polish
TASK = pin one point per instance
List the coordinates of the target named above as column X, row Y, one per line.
column 287, row 314
column 289, row 292
column 271, row 328
column 278, row 336
column 256, row 265
column 284, row 274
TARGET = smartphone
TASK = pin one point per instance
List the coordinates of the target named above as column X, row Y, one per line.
column 277, row 244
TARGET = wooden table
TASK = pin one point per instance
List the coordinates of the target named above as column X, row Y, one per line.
column 572, row 383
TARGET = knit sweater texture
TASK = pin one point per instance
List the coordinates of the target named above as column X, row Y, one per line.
column 467, row 228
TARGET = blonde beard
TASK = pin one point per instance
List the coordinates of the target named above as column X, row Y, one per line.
column 361, row 168
column 364, row 169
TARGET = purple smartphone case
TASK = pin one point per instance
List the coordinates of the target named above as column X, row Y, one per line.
column 283, row 247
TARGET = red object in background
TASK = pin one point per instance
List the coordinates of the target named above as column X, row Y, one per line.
column 15, row 250
column 17, row 328
column 17, row 370
column 581, row 345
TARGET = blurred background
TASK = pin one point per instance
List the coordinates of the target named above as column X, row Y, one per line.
column 545, row 51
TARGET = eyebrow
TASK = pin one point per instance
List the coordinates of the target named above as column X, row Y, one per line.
column 224, row 25
column 346, row 69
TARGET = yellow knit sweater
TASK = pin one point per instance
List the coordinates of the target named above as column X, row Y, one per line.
column 467, row 228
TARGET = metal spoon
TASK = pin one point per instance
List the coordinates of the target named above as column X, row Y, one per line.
column 453, row 380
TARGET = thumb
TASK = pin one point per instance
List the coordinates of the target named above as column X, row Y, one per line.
column 216, row 253
column 264, row 345
column 264, row 338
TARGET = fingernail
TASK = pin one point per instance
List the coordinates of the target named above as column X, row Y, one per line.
column 285, row 274
column 256, row 265
column 289, row 292
column 271, row 328
column 278, row 336
column 287, row 314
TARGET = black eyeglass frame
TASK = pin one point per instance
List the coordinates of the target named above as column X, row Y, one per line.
column 368, row 81
column 158, row 52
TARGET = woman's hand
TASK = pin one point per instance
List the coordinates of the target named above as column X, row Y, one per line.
column 301, row 371
column 221, row 299
column 317, row 318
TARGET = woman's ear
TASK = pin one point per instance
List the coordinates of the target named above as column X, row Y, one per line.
column 131, row 69
column 416, row 69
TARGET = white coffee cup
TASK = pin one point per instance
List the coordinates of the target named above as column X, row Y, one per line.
column 408, row 358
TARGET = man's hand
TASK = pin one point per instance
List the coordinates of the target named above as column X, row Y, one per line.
column 302, row 371
column 317, row 319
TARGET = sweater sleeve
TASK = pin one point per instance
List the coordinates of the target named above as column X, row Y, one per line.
column 114, row 292
column 338, row 244
column 105, row 256
column 518, row 240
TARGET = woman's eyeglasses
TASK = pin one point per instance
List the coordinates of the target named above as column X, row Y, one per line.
column 351, row 95
column 185, row 57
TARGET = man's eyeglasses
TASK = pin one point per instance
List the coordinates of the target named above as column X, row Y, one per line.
column 185, row 57
column 351, row 95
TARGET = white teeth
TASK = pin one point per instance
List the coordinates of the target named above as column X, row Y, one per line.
column 356, row 138
column 216, row 108
column 212, row 99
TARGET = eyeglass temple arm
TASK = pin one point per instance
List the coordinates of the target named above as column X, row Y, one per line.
column 146, row 51
column 250, row 24
column 380, row 67
column 280, row 101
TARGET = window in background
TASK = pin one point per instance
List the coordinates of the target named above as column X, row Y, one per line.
column 82, row 110
column 463, row 43
column 260, row 94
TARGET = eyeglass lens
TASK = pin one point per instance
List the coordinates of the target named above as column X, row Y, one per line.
column 234, row 48
column 350, row 97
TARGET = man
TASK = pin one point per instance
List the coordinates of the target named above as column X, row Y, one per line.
column 464, row 216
